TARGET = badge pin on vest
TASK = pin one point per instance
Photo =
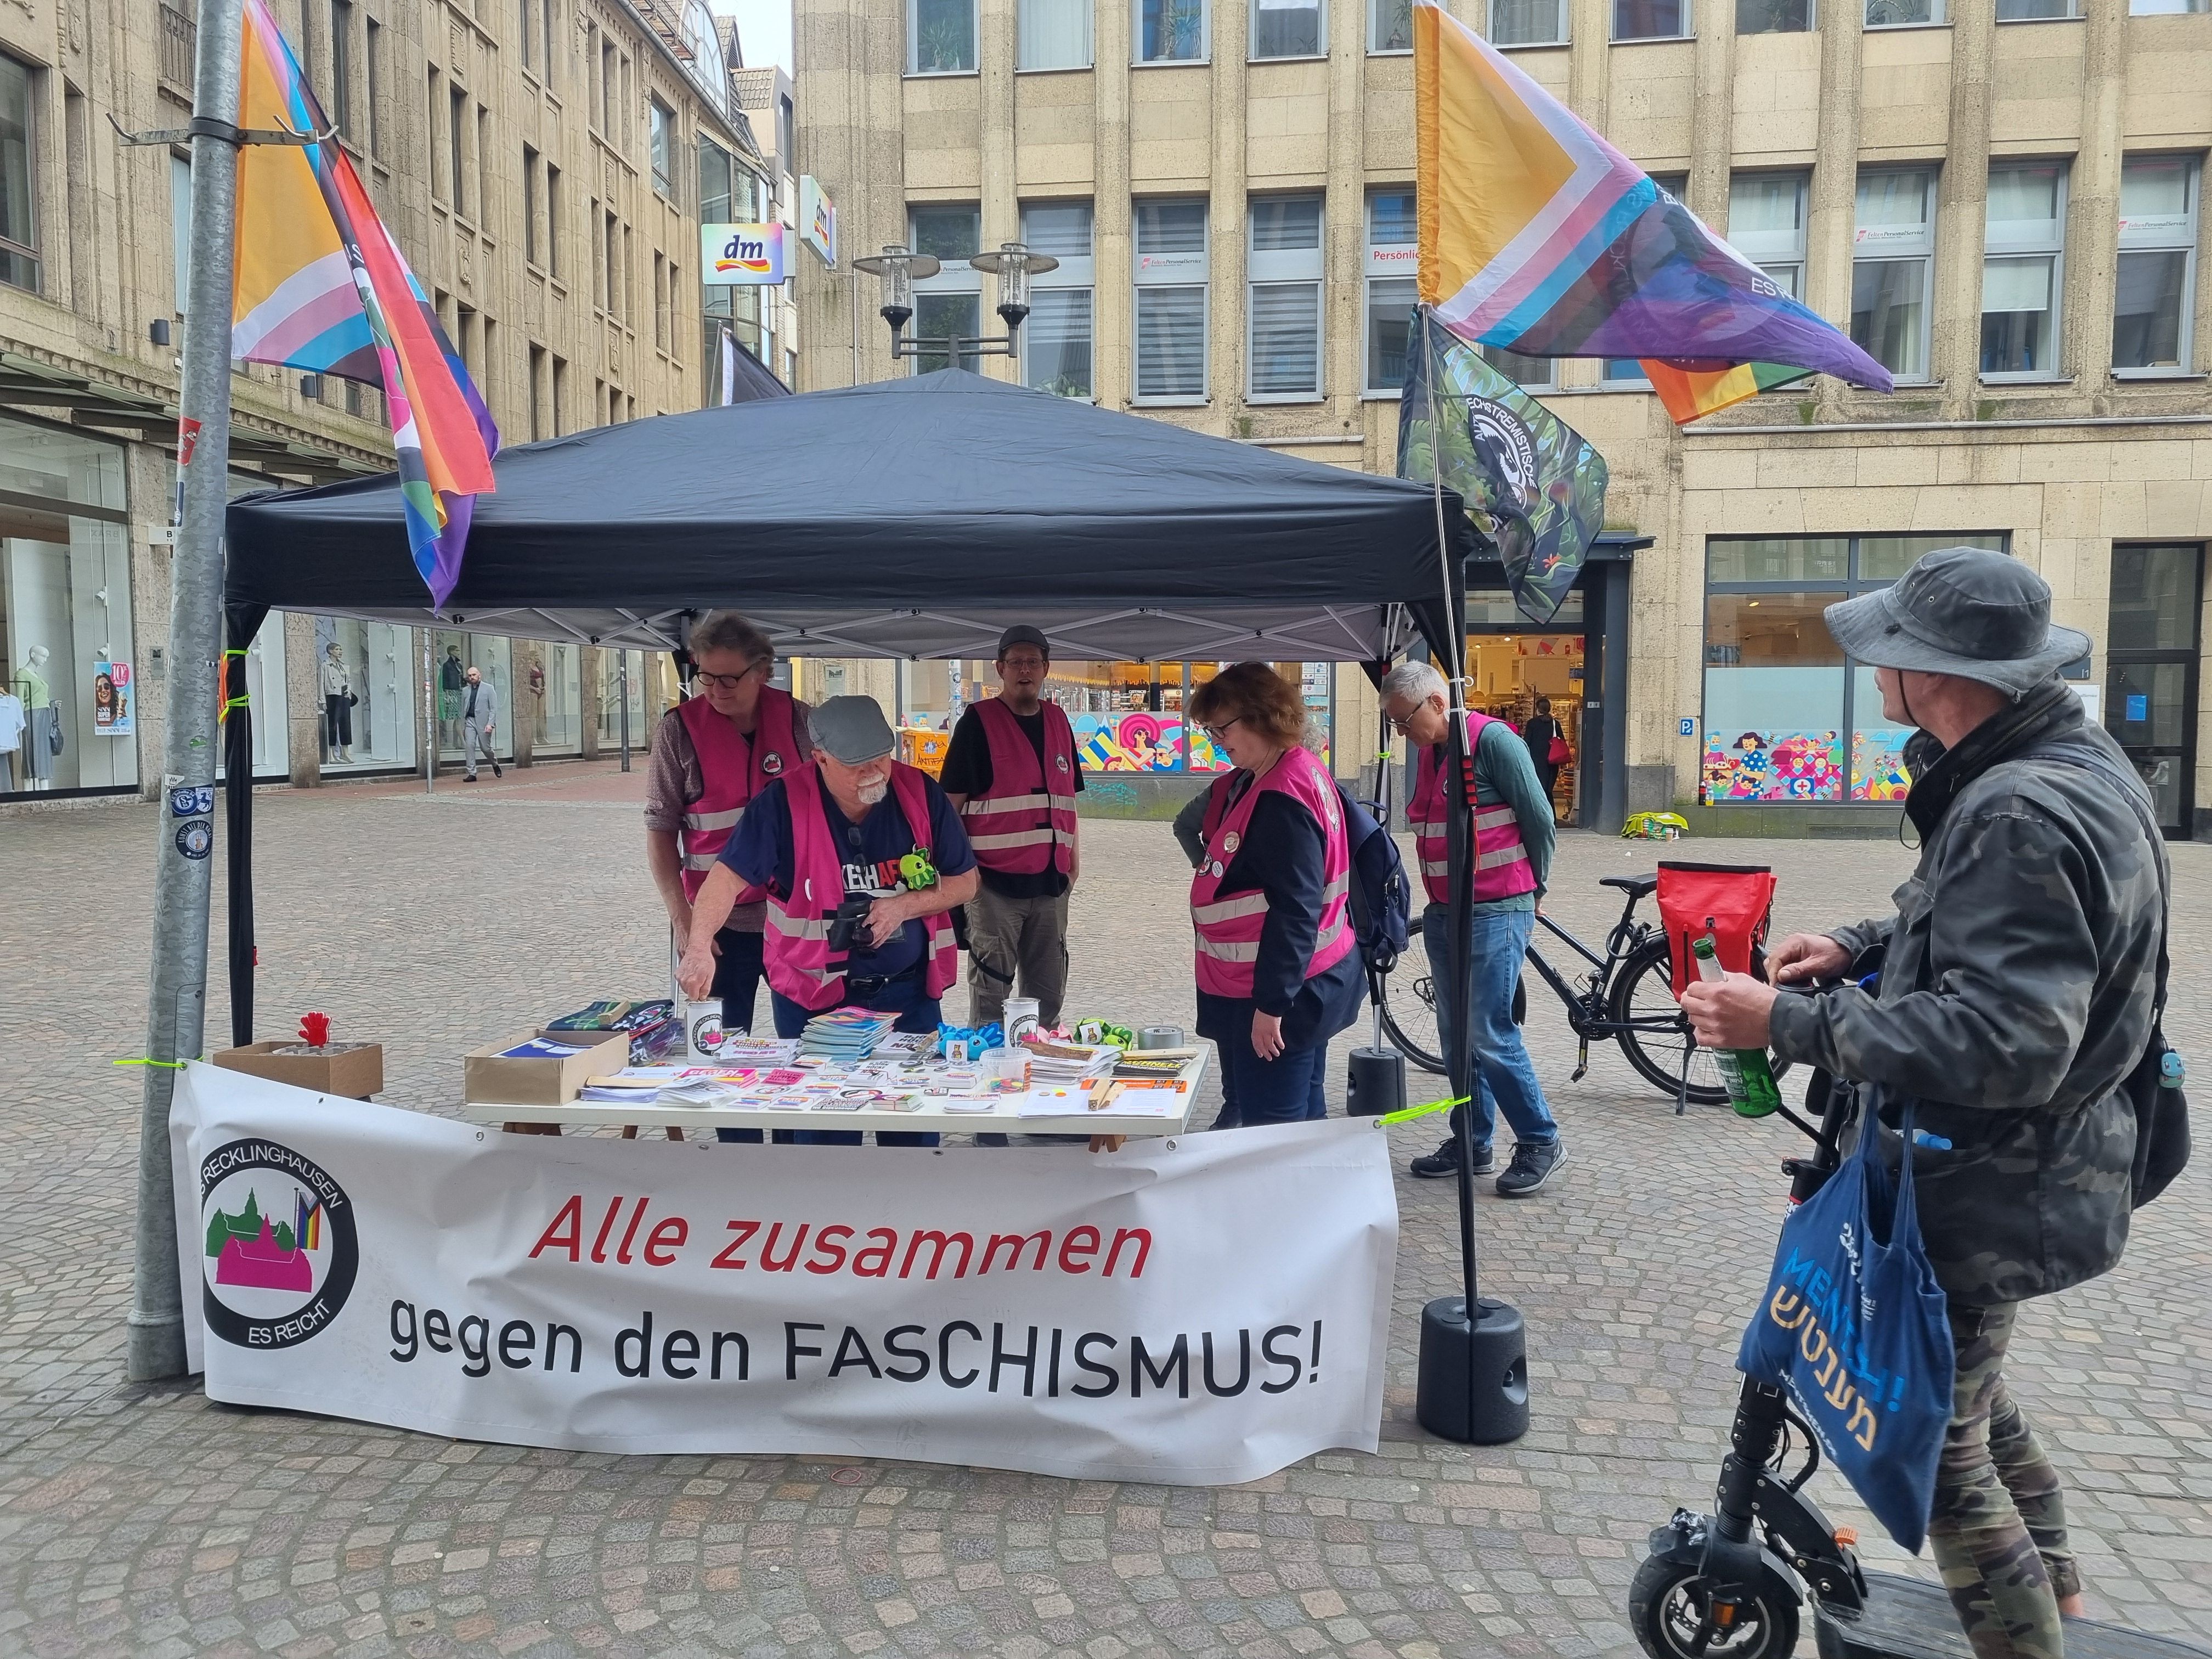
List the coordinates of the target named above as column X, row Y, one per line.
column 771, row 762
column 1230, row 843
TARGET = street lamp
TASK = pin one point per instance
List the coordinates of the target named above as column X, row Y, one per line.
column 897, row 270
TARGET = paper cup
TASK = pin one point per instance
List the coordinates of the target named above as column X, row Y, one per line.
column 703, row 1036
column 1020, row 1018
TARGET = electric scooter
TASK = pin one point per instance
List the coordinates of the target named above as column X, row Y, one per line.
column 1729, row 1585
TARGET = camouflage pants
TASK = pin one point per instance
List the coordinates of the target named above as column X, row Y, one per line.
column 1998, row 1531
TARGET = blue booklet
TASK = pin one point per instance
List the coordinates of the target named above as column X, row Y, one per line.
column 542, row 1048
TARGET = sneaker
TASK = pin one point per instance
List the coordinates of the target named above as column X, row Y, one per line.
column 1532, row 1166
column 1444, row 1162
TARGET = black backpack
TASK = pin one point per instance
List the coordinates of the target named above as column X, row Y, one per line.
column 1381, row 901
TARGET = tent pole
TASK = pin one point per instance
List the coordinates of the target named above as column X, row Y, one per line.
column 621, row 695
column 177, row 997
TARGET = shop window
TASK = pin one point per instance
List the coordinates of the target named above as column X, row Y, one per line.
column 1903, row 14
column 1056, row 339
column 940, row 37
column 1389, row 25
column 1650, row 20
column 1766, row 225
column 1786, row 716
column 1289, row 28
column 1530, row 374
column 1893, row 270
column 1773, row 16
column 1052, row 34
column 375, row 664
column 1528, row 23
column 2023, row 271
column 1172, row 302
column 1170, row 31
column 2153, row 307
column 492, row 656
column 1393, row 257
column 1282, row 344
column 19, row 177
column 611, row 704
column 2150, row 693
column 948, row 305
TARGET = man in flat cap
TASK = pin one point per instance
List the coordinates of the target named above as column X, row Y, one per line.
column 2018, row 992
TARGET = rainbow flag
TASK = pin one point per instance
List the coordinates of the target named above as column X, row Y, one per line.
column 1537, row 235
column 306, row 1223
column 321, row 286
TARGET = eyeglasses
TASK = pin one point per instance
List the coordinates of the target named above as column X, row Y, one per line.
column 1215, row 733
column 1400, row 723
column 1022, row 664
column 725, row 682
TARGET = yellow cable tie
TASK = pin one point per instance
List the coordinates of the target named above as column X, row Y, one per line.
column 1408, row 1114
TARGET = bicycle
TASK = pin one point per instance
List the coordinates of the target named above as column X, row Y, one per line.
column 1628, row 998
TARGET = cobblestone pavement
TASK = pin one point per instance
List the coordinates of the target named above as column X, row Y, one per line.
column 147, row 1521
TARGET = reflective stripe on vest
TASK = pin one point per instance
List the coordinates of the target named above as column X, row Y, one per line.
column 732, row 770
column 1501, row 861
column 1228, row 927
column 796, row 943
column 1022, row 825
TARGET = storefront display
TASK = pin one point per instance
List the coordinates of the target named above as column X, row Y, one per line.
column 491, row 655
column 1512, row 671
column 609, row 700
column 267, row 695
column 372, row 671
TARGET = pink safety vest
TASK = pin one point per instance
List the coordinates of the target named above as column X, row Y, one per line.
column 1229, row 929
column 797, row 947
column 732, row 770
column 1501, row 862
column 1025, row 822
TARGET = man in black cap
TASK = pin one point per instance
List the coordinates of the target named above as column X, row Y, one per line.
column 1013, row 773
column 2017, row 993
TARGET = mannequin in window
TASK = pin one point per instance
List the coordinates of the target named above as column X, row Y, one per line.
column 39, row 717
column 450, row 675
column 37, row 694
column 337, row 706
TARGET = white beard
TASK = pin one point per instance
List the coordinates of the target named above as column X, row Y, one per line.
column 871, row 794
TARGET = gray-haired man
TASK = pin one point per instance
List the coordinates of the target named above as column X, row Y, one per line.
column 2016, row 995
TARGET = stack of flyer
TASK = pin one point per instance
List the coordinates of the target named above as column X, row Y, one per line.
column 1056, row 1064
column 844, row 1033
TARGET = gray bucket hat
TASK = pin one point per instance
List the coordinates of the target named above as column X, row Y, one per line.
column 1963, row 610
column 852, row 730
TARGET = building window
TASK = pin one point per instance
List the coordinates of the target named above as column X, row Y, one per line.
column 1530, row 374
column 2166, row 7
column 1051, row 34
column 1283, row 342
column 1903, row 14
column 1389, row 25
column 1650, row 20
column 2157, row 291
column 553, row 262
column 2022, row 270
column 1393, row 257
column 659, row 301
column 1289, row 28
column 530, row 238
column 1787, row 716
column 1892, row 269
column 457, row 128
column 342, row 65
column 2035, row 11
column 1774, row 16
column 537, row 390
column 1056, row 340
column 1170, row 31
column 950, row 304
column 372, row 63
column 1528, row 23
column 1766, row 225
column 180, row 226
column 715, row 168
column 552, row 35
column 608, row 95
column 664, row 148
column 1170, row 302
column 940, row 37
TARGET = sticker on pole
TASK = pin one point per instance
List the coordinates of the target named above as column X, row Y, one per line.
column 195, row 838
column 188, row 801
column 188, row 438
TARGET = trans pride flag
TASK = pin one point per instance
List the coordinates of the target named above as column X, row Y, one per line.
column 321, row 286
column 1538, row 235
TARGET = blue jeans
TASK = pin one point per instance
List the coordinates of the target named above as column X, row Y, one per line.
column 1285, row 1090
column 1505, row 1080
column 916, row 1012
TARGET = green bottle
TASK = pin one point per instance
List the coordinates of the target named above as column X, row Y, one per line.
column 1749, row 1078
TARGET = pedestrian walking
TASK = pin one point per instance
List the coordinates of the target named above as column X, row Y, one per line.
column 479, row 720
column 1541, row 734
column 2017, row 995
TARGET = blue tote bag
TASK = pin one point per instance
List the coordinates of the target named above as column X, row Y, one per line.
column 1852, row 1329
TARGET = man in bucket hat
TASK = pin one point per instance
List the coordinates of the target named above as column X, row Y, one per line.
column 2016, row 996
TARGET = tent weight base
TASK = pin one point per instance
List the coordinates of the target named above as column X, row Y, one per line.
column 1475, row 1378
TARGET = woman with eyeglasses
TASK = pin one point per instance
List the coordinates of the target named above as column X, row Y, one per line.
column 711, row 755
column 1277, row 974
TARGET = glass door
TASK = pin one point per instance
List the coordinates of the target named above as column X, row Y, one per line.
column 2150, row 691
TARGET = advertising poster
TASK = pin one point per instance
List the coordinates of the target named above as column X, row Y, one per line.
column 1774, row 766
column 112, row 699
column 1136, row 742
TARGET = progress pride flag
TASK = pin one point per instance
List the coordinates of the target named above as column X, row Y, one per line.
column 1202, row 1309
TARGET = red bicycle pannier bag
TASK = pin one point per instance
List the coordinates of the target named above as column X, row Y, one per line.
column 1732, row 901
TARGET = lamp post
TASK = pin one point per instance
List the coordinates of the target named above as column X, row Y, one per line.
column 897, row 269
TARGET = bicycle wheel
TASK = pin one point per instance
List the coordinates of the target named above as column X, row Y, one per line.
column 1407, row 1004
column 1642, row 999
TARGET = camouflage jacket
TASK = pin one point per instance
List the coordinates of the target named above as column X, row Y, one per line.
column 2016, row 996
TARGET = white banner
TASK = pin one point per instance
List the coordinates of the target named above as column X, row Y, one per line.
column 1203, row 1309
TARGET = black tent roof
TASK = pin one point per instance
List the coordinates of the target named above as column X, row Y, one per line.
column 910, row 517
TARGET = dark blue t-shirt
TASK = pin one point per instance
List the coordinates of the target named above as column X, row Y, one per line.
column 759, row 849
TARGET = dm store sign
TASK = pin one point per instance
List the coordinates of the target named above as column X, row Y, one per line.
column 741, row 256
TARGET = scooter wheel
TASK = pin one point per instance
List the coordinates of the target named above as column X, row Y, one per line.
column 1667, row 1608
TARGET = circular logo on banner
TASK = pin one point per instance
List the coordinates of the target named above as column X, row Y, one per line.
column 1501, row 437
column 1232, row 842
column 771, row 762
column 279, row 1253
column 195, row 838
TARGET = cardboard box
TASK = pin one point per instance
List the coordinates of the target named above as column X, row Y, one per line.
column 486, row 1076
column 357, row 1073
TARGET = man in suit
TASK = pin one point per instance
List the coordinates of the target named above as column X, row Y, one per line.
column 479, row 716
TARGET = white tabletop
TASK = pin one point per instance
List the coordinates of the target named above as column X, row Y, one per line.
column 1006, row 1118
